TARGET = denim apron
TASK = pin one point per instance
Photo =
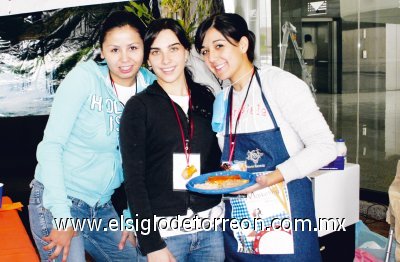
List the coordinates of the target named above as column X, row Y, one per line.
column 270, row 152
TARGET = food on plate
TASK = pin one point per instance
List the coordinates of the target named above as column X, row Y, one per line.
column 218, row 182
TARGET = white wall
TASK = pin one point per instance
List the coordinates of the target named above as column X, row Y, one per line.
column 349, row 7
column 392, row 110
column 13, row 7
column 392, row 57
column 392, row 123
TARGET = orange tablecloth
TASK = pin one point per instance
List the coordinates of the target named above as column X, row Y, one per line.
column 15, row 244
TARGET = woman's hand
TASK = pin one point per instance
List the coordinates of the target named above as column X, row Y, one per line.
column 162, row 255
column 127, row 235
column 262, row 182
column 61, row 240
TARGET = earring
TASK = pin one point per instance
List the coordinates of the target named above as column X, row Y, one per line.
column 150, row 68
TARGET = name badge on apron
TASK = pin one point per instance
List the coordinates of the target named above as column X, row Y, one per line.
column 182, row 173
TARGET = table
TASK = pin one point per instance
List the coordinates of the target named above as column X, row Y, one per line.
column 15, row 244
column 336, row 196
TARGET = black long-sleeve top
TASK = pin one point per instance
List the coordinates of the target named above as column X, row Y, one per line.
column 149, row 136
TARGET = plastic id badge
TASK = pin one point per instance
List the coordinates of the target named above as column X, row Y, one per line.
column 182, row 173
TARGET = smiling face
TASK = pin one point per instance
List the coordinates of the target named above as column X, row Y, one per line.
column 123, row 50
column 226, row 59
column 168, row 58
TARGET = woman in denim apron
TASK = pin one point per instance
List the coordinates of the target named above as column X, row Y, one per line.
column 270, row 120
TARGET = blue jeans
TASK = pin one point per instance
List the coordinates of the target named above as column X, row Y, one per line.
column 101, row 245
column 197, row 247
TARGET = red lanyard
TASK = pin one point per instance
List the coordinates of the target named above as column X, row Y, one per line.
column 185, row 142
column 232, row 135
column 115, row 89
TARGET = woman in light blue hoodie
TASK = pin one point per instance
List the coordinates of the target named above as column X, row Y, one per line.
column 79, row 163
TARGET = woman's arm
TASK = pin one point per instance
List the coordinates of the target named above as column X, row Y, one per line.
column 298, row 108
column 300, row 111
column 70, row 97
column 133, row 150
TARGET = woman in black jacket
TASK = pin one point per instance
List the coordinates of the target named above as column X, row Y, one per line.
column 166, row 133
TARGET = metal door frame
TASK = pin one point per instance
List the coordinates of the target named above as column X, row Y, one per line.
column 332, row 24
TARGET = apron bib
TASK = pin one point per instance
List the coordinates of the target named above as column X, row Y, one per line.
column 276, row 206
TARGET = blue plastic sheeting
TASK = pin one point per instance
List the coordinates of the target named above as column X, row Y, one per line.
column 372, row 242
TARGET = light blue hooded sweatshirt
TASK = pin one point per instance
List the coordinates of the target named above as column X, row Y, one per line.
column 79, row 154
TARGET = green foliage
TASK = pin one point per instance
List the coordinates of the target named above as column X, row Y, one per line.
column 173, row 6
column 188, row 13
column 141, row 11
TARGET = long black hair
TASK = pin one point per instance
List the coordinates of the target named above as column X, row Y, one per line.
column 159, row 25
column 231, row 26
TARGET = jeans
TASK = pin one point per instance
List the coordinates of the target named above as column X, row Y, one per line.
column 101, row 245
column 197, row 247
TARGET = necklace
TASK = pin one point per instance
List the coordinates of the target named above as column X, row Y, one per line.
column 189, row 170
column 115, row 89
column 232, row 133
column 221, row 82
column 243, row 76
